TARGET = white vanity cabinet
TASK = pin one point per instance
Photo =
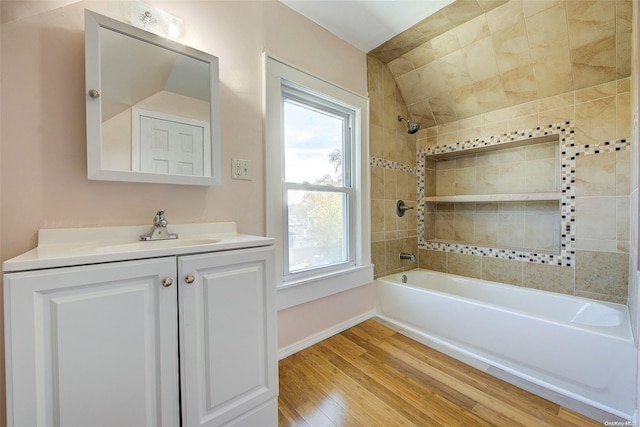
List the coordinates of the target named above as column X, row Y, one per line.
column 183, row 340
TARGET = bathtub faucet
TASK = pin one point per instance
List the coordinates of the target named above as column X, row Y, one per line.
column 410, row 257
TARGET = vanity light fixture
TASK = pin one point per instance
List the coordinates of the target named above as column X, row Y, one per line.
column 155, row 20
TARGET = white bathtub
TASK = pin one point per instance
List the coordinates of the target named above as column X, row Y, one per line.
column 578, row 348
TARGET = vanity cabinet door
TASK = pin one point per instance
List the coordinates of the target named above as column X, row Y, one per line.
column 93, row 346
column 228, row 338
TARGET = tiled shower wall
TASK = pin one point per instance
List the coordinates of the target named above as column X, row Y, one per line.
column 601, row 117
column 393, row 174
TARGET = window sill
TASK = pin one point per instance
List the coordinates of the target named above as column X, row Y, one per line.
column 305, row 290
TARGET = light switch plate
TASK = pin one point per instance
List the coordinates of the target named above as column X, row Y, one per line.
column 241, row 169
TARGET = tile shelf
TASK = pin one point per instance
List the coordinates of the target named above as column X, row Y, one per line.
column 484, row 198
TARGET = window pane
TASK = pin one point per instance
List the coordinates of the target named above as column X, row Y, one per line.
column 316, row 229
column 313, row 142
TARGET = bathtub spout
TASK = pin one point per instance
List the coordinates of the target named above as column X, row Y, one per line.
column 410, row 257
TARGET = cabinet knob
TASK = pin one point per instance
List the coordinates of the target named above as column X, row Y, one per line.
column 189, row 278
column 167, row 281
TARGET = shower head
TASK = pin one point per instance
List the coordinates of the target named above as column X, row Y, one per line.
column 411, row 126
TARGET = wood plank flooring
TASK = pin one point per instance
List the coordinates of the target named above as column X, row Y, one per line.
column 370, row 375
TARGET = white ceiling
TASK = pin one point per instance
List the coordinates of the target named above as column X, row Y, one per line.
column 366, row 24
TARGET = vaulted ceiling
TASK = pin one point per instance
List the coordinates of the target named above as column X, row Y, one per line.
column 494, row 54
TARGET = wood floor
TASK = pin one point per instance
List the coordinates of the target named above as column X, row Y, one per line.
column 370, row 375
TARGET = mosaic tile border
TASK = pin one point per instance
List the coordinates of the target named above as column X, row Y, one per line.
column 390, row 164
column 565, row 132
column 604, row 147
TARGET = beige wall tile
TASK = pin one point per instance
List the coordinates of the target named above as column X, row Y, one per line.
column 511, row 231
column 480, row 60
column 547, row 150
column 377, row 182
column 378, row 255
column 486, row 228
column 445, row 44
column 531, row 8
column 548, row 277
column 444, row 226
column 554, row 74
column 602, row 273
column 464, row 102
column 465, row 181
column 624, row 14
column 548, row 32
column 590, row 21
column 604, row 90
column 453, row 69
column 526, row 122
column 596, row 121
column 596, row 175
column 495, row 129
column 511, row 47
column 390, row 181
column 504, row 16
column 623, row 115
column 421, row 55
column 490, row 94
column 488, row 179
column 410, row 86
column 393, row 263
column 446, row 182
column 522, row 110
column 624, row 85
column 560, row 115
column 542, row 175
column 596, row 218
column 502, row 270
column 464, row 227
column 390, row 218
column 623, row 173
column 470, row 134
column 541, row 232
column 443, row 110
column 555, row 102
column 433, row 260
column 460, row 12
column 519, row 84
column 464, row 265
column 472, row 31
column 594, row 63
column 513, row 178
column 622, row 218
column 496, row 116
column 377, row 215
column 400, row 66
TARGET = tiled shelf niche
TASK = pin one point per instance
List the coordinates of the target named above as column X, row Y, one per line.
column 507, row 197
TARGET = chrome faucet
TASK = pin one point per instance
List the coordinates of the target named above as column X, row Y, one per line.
column 409, row 257
column 159, row 231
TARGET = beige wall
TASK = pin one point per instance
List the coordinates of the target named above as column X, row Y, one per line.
column 43, row 169
column 393, row 175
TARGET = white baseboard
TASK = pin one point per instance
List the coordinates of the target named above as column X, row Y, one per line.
column 323, row 335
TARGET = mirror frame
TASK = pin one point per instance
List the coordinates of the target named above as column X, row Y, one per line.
column 93, row 23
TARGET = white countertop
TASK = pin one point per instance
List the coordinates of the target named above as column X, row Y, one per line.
column 80, row 246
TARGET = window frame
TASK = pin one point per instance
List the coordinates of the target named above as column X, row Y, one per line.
column 307, row 99
column 317, row 284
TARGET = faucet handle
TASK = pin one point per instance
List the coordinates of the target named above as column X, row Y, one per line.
column 159, row 220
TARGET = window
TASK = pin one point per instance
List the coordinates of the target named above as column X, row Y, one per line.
column 317, row 184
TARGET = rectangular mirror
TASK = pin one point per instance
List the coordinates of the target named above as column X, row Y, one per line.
column 152, row 107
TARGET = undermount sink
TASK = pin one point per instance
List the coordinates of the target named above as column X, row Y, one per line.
column 156, row 244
